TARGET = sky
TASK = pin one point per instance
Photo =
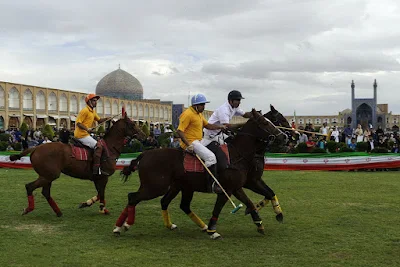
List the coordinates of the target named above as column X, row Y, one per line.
column 299, row 55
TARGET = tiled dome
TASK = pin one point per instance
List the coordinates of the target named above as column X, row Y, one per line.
column 120, row 84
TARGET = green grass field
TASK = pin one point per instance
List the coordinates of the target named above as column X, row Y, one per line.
column 330, row 219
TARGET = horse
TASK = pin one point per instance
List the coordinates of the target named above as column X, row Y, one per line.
column 51, row 159
column 254, row 180
column 161, row 172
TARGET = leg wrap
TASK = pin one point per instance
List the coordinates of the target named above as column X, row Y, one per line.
column 92, row 200
column 31, row 203
column 131, row 215
column 212, row 225
column 166, row 219
column 53, row 205
column 122, row 218
column 275, row 205
column 197, row 220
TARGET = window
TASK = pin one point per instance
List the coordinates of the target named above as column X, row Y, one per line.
column 27, row 103
column 52, row 102
column 13, row 98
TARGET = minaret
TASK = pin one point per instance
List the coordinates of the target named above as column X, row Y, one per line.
column 375, row 93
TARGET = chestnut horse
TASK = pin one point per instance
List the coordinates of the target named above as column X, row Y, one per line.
column 51, row 159
column 161, row 172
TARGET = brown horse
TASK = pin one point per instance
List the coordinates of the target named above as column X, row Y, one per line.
column 161, row 172
column 51, row 159
column 254, row 177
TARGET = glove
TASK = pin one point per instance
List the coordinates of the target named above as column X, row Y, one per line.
column 190, row 149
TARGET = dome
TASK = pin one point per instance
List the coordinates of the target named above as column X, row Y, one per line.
column 120, row 84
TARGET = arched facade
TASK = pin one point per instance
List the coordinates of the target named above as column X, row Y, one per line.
column 27, row 102
column 13, row 99
column 40, row 101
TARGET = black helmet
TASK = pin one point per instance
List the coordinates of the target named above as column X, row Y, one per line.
column 235, row 95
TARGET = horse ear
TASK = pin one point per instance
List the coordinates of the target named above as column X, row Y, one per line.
column 272, row 108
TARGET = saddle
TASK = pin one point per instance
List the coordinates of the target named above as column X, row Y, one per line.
column 192, row 164
column 80, row 151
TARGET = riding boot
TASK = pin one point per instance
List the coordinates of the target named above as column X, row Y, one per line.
column 213, row 187
column 97, row 158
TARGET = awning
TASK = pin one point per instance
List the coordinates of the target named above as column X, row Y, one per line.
column 28, row 115
column 115, row 119
column 51, row 123
column 54, row 116
column 13, row 115
column 41, row 116
column 64, row 117
column 73, row 118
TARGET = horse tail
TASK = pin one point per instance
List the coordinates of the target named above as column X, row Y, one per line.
column 20, row 155
column 127, row 170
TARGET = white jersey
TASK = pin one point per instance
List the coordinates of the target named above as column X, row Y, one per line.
column 222, row 115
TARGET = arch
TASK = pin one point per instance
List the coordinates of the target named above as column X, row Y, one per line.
column 82, row 102
column 115, row 108
column 27, row 102
column 40, row 123
column 349, row 120
column 13, row 98
column 107, row 107
column 28, row 120
column 161, row 113
column 100, row 107
column 156, row 113
column 151, row 112
column 140, row 111
column 13, row 123
column 122, row 104
column 73, row 104
column 1, row 123
column 129, row 109
column 364, row 115
column 165, row 113
column 40, row 101
column 395, row 128
column 135, row 111
column 380, row 119
column 63, row 102
column 2, row 97
column 52, row 102
column 146, row 111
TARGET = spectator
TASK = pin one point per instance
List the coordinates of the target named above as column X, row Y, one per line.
column 46, row 140
column 151, row 142
column 353, row 144
column 371, row 144
column 348, row 132
column 335, row 135
column 32, row 142
column 64, row 135
column 157, row 131
column 175, row 143
column 10, row 148
column 24, row 143
column 359, row 133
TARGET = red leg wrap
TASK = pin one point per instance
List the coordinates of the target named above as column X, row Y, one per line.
column 53, row 205
column 122, row 217
column 131, row 215
column 31, row 203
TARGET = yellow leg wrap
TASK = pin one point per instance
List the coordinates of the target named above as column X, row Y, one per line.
column 91, row 201
column 275, row 205
column 166, row 219
column 196, row 220
column 261, row 204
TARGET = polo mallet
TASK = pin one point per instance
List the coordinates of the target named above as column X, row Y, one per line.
column 328, row 136
column 236, row 208
column 98, row 125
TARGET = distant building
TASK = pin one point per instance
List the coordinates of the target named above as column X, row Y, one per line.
column 38, row 106
column 364, row 111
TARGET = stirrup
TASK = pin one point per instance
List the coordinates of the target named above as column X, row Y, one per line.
column 215, row 188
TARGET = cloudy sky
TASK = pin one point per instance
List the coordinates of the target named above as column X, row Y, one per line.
column 298, row 55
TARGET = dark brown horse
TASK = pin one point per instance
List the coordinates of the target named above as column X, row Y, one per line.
column 254, row 177
column 51, row 159
column 161, row 172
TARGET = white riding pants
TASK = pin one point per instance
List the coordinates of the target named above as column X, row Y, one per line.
column 88, row 141
column 204, row 153
column 219, row 138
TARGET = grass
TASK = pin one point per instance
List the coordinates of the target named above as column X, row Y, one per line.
column 331, row 219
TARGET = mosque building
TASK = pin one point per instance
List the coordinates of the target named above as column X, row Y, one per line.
column 364, row 111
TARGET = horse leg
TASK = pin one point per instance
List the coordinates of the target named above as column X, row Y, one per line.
column 101, row 188
column 212, row 224
column 165, row 201
column 50, row 200
column 127, row 217
column 241, row 195
column 30, row 187
column 187, row 197
column 89, row 202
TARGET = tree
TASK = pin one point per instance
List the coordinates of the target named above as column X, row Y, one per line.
column 100, row 130
column 146, row 129
column 48, row 131
column 23, row 129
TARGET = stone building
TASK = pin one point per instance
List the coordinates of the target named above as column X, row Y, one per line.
column 38, row 106
column 364, row 111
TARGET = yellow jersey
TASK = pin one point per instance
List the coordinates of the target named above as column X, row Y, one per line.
column 191, row 123
column 86, row 116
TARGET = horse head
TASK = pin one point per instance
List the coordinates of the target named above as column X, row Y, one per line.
column 125, row 127
column 277, row 118
column 263, row 129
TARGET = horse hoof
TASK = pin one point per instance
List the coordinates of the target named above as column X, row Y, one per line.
column 215, row 236
column 126, row 226
column 173, row 227
column 204, row 229
column 117, row 234
column 279, row 217
column 261, row 231
column 59, row 214
column 105, row 212
column 24, row 212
